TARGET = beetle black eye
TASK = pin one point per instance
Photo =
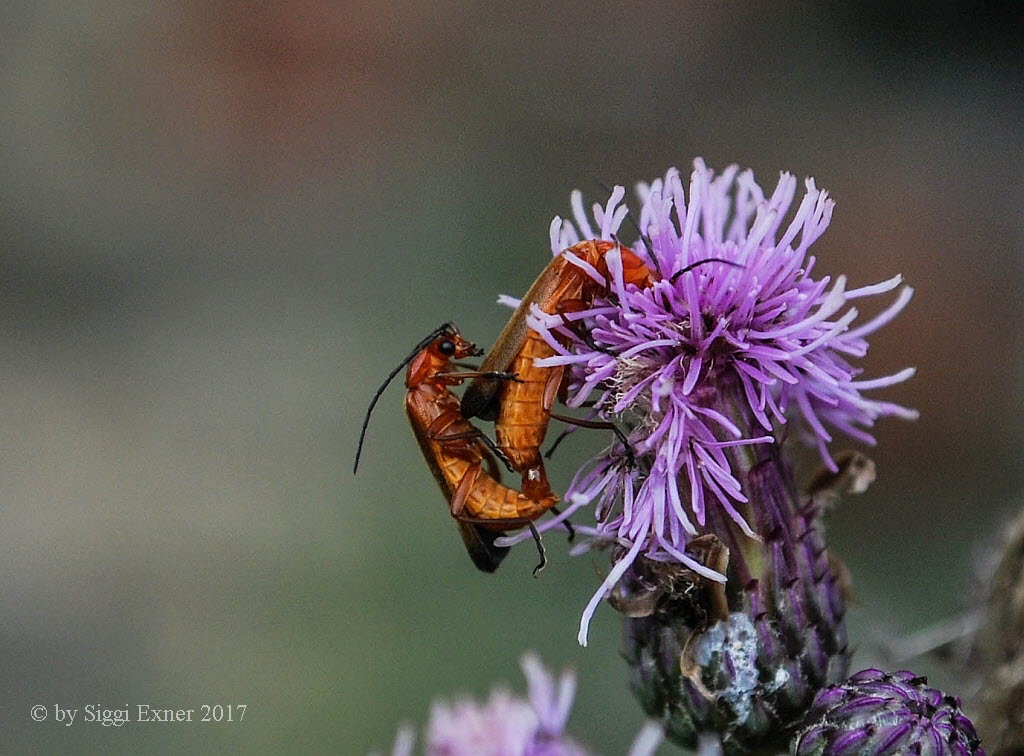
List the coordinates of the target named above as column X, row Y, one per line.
column 447, row 348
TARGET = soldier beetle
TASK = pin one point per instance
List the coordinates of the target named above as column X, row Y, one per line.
column 462, row 459
column 521, row 410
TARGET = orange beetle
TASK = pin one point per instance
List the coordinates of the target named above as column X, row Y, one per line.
column 521, row 410
column 459, row 455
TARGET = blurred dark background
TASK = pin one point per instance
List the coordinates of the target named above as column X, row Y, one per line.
column 221, row 225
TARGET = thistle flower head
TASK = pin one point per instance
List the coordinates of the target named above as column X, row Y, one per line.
column 878, row 713
column 505, row 725
column 734, row 338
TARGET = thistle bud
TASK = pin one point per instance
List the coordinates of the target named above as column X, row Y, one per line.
column 878, row 713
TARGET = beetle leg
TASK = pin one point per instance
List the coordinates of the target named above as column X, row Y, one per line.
column 486, row 440
column 540, row 550
column 440, row 430
column 554, row 445
column 496, row 450
column 492, row 466
column 568, row 525
column 492, row 375
column 602, row 425
column 563, row 392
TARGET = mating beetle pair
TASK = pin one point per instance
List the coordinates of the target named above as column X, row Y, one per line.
column 509, row 389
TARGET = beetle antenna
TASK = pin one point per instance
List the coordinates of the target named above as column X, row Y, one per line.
column 693, row 265
column 443, row 328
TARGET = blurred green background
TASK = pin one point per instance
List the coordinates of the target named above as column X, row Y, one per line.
column 223, row 224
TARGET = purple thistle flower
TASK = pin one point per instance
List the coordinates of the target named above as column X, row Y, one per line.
column 505, row 725
column 875, row 713
column 734, row 338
